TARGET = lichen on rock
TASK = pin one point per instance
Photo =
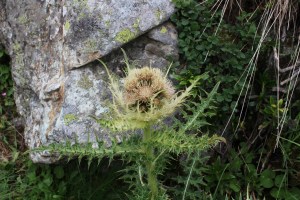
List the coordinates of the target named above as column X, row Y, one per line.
column 85, row 82
column 125, row 35
column 163, row 29
column 69, row 118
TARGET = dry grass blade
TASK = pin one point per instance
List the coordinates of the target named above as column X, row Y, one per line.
column 277, row 19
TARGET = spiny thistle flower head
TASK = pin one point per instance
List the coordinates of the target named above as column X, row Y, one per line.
column 145, row 97
column 147, row 87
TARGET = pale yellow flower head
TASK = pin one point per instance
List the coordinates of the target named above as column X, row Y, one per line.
column 145, row 97
column 147, row 87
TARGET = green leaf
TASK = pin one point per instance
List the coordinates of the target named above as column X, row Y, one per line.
column 267, row 182
column 293, row 194
column 195, row 26
column 279, row 180
column 266, row 178
column 278, row 193
column 57, row 197
column 267, row 173
column 252, row 28
column 236, row 164
column 235, row 186
column 191, row 122
column 31, row 176
column 59, row 172
column 185, row 22
column 48, row 181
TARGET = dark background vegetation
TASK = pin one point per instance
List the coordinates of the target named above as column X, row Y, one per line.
column 261, row 158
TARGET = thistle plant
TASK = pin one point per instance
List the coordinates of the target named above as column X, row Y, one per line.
column 144, row 100
column 141, row 101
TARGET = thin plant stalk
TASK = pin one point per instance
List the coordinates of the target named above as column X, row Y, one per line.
column 150, row 163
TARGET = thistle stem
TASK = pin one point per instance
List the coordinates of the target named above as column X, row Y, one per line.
column 150, row 164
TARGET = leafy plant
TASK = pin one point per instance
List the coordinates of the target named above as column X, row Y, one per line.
column 219, row 177
column 212, row 46
column 151, row 99
column 240, row 43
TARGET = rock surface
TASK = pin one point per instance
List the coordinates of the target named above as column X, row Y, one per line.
column 53, row 44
